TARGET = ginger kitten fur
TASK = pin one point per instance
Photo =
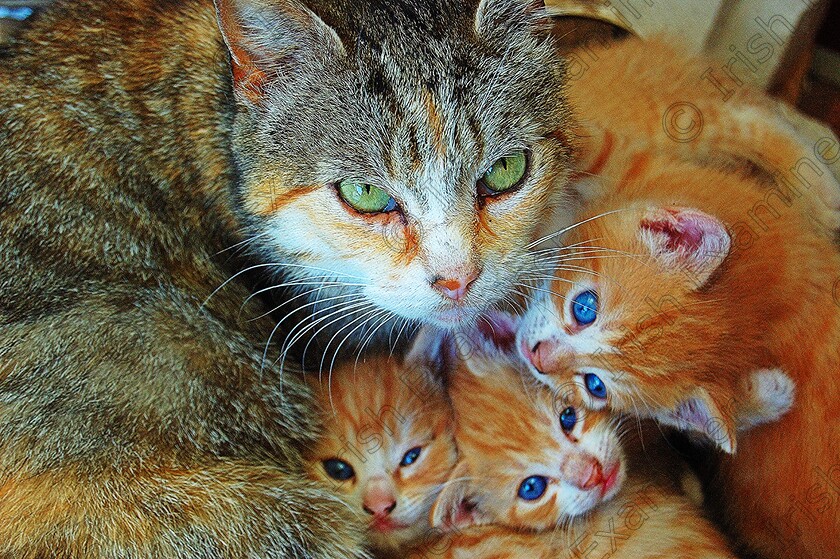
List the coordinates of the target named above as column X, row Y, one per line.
column 669, row 301
column 387, row 447
column 538, row 480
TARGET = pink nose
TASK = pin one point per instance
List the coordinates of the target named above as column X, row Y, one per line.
column 378, row 501
column 584, row 472
column 456, row 287
column 542, row 355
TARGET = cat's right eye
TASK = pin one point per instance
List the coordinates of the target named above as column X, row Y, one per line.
column 533, row 488
column 338, row 469
column 366, row 198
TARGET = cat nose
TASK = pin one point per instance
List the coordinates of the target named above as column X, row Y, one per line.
column 584, row 472
column 544, row 355
column 455, row 286
column 378, row 499
column 379, row 507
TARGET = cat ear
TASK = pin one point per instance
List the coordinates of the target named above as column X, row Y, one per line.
column 686, row 240
column 491, row 340
column 701, row 414
column 501, row 17
column 432, row 351
column 269, row 39
column 453, row 509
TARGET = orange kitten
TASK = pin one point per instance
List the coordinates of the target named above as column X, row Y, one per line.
column 387, row 447
column 526, row 464
column 684, row 281
column 525, row 459
column 654, row 96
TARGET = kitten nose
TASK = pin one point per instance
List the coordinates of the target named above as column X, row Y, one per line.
column 545, row 355
column 379, row 507
column 584, row 472
column 456, row 286
column 378, row 499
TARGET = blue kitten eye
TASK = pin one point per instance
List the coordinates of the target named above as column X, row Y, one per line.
column 568, row 419
column 595, row 386
column 585, row 308
column 338, row 469
column 411, row 457
column 533, row 488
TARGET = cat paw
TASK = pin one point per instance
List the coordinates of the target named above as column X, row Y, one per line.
column 772, row 392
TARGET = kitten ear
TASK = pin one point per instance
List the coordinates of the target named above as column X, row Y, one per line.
column 701, row 414
column 686, row 240
column 432, row 351
column 453, row 509
column 267, row 39
column 501, row 17
column 491, row 340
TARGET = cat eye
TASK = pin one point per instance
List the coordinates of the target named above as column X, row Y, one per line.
column 533, row 488
column 506, row 174
column 568, row 419
column 365, row 198
column 595, row 386
column 338, row 469
column 411, row 457
column 585, row 308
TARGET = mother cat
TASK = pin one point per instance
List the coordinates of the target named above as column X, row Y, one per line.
column 134, row 147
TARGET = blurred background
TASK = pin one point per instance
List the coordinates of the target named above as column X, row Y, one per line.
column 790, row 48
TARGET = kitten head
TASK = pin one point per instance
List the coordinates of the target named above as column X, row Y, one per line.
column 387, row 445
column 527, row 458
column 405, row 150
column 626, row 321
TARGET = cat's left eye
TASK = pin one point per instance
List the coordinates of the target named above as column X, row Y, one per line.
column 585, row 308
column 366, row 198
column 533, row 488
column 506, row 174
column 568, row 419
column 411, row 457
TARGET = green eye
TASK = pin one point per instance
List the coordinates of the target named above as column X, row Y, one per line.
column 506, row 173
column 365, row 198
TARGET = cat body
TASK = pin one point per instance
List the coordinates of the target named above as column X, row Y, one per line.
column 139, row 140
column 683, row 107
column 630, row 504
column 693, row 282
column 387, row 447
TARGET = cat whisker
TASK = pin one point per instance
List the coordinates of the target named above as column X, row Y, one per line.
column 570, row 228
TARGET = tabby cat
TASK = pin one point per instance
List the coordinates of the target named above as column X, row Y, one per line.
column 139, row 139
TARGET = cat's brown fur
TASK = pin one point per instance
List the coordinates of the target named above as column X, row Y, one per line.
column 135, row 423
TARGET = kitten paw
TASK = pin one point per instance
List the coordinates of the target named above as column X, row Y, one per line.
column 773, row 392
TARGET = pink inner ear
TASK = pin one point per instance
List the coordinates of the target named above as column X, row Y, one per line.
column 500, row 328
column 684, row 231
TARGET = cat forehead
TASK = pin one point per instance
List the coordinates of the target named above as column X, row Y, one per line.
column 425, row 87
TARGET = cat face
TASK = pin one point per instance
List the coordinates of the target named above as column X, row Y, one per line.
column 387, row 446
column 527, row 458
column 625, row 324
column 405, row 151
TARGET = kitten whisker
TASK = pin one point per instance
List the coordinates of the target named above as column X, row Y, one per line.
column 570, row 228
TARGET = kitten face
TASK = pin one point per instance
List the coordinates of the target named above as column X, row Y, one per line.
column 529, row 458
column 386, row 448
column 626, row 325
column 403, row 107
